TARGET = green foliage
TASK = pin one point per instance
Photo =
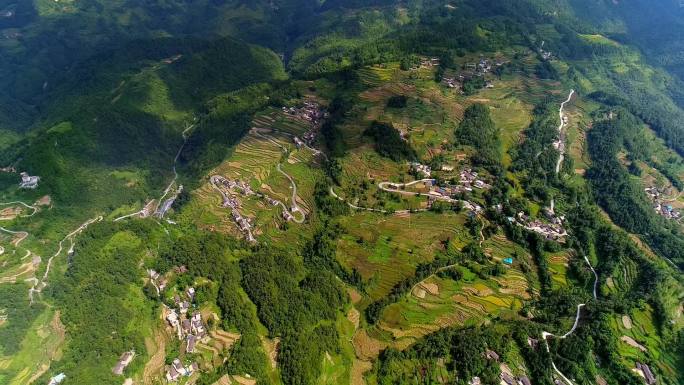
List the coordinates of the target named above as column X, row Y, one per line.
column 536, row 157
column 389, row 143
column 101, row 300
column 18, row 315
column 478, row 130
column 615, row 191
column 397, row 101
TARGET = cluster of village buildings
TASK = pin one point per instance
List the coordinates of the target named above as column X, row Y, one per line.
column 314, row 114
column 158, row 281
column 468, row 179
column 470, row 71
column 506, row 378
column 224, row 185
column 228, row 186
column 189, row 328
column 661, row 207
column 310, row 111
column 546, row 55
column 552, row 230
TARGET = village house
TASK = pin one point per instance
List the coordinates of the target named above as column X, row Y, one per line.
column 508, row 379
column 124, row 360
column 183, row 307
column 190, row 343
column 176, row 370
column 421, row 169
column 523, row 380
column 28, row 181
column 56, row 380
column 645, row 371
column 475, row 381
column 492, row 355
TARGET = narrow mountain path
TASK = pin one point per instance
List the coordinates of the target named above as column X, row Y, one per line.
column 70, row 237
column 596, row 278
column 561, row 147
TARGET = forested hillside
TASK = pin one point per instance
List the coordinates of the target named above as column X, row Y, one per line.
column 341, row 192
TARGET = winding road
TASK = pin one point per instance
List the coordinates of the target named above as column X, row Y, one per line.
column 28, row 206
column 295, row 208
column 163, row 206
column 546, row 335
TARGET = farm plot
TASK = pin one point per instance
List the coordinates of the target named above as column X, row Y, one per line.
column 386, row 249
column 558, row 266
column 377, row 74
column 639, row 340
column 276, row 120
column 449, row 303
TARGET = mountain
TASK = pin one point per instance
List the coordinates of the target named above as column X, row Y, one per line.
column 341, row 191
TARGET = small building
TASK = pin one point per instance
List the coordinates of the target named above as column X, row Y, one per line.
column 172, row 318
column 172, row 374
column 648, row 374
column 124, row 360
column 508, row 261
column 523, row 380
column 190, row 344
column 184, row 306
column 492, row 355
column 508, row 379
column 475, row 381
column 57, row 379
column 28, row 181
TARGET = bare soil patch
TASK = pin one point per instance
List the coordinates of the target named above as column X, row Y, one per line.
column 367, row 347
column 359, row 368
column 271, row 348
column 354, row 295
column 354, row 316
column 431, row 288
column 631, row 342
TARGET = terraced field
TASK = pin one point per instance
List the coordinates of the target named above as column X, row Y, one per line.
column 437, row 303
column 384, row 260
column 640, row 328
column 255, row 161
column 376, row 75
column 558, row 266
